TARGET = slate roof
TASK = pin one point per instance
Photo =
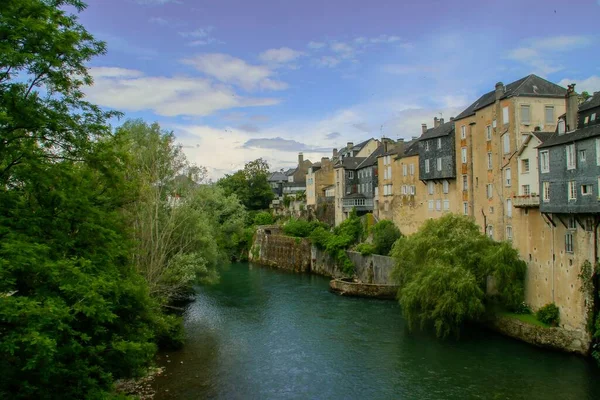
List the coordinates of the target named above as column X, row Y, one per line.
column 350, row 162
column 290, row 171
column 411, row 148
column 372, row 159
column 531, row 86
column 356, row 147
column 444, row 129
column 277, row 176
column 542, row 136
column 592, row 102
column 580, row 134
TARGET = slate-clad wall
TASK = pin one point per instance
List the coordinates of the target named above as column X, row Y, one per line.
column 447, row 154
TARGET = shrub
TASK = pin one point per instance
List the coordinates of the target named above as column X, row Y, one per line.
column 549, row 314
column 385, row 234
column 523, row 308
column 351, row 227
column 301, row 228
column 335, row 246
column 263, row 218
column 365, row 249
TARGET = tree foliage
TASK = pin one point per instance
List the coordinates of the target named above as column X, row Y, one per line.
column 250, row 185
column 443, row 269
column 385, row 234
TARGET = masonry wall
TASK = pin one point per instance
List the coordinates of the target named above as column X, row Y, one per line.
column 275, row 250
column 374, row 268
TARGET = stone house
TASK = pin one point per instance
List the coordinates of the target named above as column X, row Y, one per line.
column 296, row 177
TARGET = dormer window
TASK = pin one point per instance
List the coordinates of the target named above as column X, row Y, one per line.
column 586, row 120
column 561, row 127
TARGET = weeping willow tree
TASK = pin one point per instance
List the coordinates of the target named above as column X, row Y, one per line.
column 443, row 269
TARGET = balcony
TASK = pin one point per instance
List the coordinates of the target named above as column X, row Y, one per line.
column 526, row 201
column 360, row 203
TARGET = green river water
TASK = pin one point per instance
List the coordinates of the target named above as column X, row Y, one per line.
column 267, row 334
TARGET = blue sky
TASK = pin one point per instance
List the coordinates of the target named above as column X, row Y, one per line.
column 236, row 80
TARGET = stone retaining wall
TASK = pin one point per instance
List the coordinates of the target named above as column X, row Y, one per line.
column 275, row 250
column 553, row 338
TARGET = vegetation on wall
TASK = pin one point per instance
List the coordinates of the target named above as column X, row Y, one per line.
column 549, row 314
column 301, row 228
column 589, row 286
column 442, row 271
column 385, row 233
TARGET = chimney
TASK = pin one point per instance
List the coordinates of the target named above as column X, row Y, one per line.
column 423, row 128
column 323, row 161
column 499, row 90
column 385, row 146
column 335, row 154
column 436, row 122
column 572, row 108
column 300, row 159
column 350, row 145
column 451, row 118
column 441, row 121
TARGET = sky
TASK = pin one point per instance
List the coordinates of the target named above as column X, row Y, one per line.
column 236, row 80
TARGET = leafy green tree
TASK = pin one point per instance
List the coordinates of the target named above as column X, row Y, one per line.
column 250, row 185
column 385, row 234
column 443, row 269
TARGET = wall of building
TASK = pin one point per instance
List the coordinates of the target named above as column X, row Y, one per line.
column 432, row 153
column 368, row 148
column 530, row 178
column 340, row 192
column 408, row 212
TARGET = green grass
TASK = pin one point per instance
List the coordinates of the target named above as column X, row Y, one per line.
column 527, row 318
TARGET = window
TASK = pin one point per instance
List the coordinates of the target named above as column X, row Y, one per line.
column 404, row 190
column 525, row 166
column 427, row 166
column 430, row 205
column 509, row 208
column 385, row 173
column 463, row 132
column 438, row 205
column 569, row 242
column 446, row 205
column 489, row 190
column 389, row 172
column 430, row 187
column 570, row 151
column 427, row 145
column 507, row 177
column 488, row 132
column 586, row 120
column 505, row 115
column 490, row 231
column 572, row 191
column 525, row 117
column 561, row 127
column 582, row 155
column 439, row 164
column 494, row 124
column 597, row 151
column 549, row 114
column 506, row 143
column 545, row 161
column 509, row 232
column 491, row 210
column 593, row 117
column 572, row 224
column 586, row 190
column 546, row 191
column 526, row 190
column 413, row 190
column 439, row 143
column 404, row 170
column 463, row 154
column 465, row 208
column 351, row 174
column 445, row 186
column 412, row 169
column 489, row 161
column 465, row 183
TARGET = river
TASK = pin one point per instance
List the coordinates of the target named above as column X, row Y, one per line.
column 268, row 334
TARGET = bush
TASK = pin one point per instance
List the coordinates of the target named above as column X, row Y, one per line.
column 301, row 228
column 335, row 246
column 365, row 249
column 263, row 218
column 523, row 308
column 385, row 234
column 351, row 227
column 549, row 314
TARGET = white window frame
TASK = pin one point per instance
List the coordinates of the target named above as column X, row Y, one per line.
column 526, row 190
column 430, row 187
column 509, row 208
column 572, row 190
column 427, row 145
column 489, row 190
column 426, row 165
column 351, row 174
column 545, row 161
column 505, row 119
column 506, row 143
column 430, row 205
column 465, row 182
column 509, row 232
column 550, row 120
column 439, row 163
column 445, row 186
column 582, row 155
column 412, row 169
column 490, row 231
column 465, row 208
column 390, row 172
column 507, row 177
column 488, row 132
column 463, row 132
column 562, row 126
column 490, row 161
column 571, row 156
column 590, row 187
column 439, row 143
column 438, row 205
column 446, row 205
column 525, row 163
column 569, row 245
column 546, row 191
column 404, row 169
column 597, row 151
column 463, row 155
column 522, row 109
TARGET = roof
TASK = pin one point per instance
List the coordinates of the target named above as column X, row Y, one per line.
column 442, row 130
column 580, row 134
column 372, row 159
column 541, row 136
column 277, row 176
column 355, row 196
column 591, row 102
column 290, row 171
column 350, row 162
column 530, row 86
column 356, row 147
column 329, row 187
column 411, row 148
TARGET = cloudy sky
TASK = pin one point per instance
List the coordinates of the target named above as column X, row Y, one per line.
column 237, row 79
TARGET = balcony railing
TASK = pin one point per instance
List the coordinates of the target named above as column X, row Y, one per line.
column 526, row 201
column 361, row 204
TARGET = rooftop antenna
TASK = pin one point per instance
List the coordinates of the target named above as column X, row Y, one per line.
column 381, row 131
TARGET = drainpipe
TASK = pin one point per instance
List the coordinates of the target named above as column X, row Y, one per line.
column 553, row 258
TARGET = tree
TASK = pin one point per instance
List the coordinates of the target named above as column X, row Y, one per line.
column 442, row 272
column 250, row 185
column 385, row 234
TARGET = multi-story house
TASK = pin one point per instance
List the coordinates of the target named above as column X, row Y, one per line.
column 437, row 166
column 276, row 180
column 489, row 136
column 346, row 176
column 365, row 179
column 296, row 177
column 318, row 177
column 408, row 206
column 528, row 195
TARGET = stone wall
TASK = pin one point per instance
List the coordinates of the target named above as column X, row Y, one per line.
column 276, row 250
column 574, row 341
column 367, row 269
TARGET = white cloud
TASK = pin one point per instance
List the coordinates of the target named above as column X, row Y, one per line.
column 131, row 90
column 200, row 37
column 541, row 54
column 280, row 56
column 327, row 61
column 590, row 85
column 123, row 46
column 158, row 21
column 236, row 71
column 316, row 45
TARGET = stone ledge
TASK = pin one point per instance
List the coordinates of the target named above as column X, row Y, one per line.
column 553, row 338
